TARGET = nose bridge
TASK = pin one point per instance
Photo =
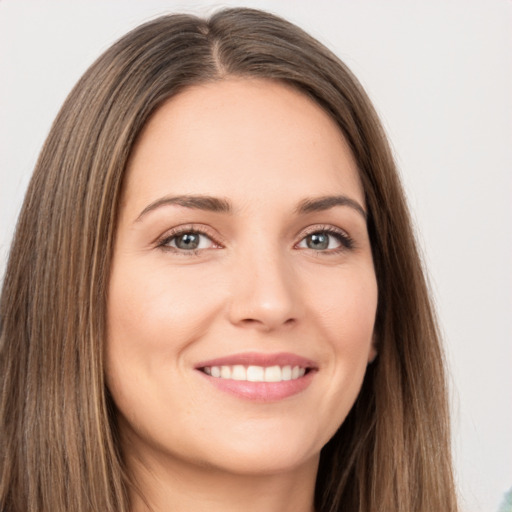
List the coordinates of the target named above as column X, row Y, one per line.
column 264, row 289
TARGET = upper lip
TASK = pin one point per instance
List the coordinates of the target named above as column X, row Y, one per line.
column 260, row 359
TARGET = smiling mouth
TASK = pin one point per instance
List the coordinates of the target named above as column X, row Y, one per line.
column 254, row 373
column 260, row 377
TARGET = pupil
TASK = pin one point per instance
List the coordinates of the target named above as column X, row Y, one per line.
column 188, row 241
column 318, row 241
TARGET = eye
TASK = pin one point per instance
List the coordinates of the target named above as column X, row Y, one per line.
column 326, row 240
column 188, row 241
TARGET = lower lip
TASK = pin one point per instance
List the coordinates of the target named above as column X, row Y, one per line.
column 262, row 391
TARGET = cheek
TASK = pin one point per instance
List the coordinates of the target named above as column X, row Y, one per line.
column 153, row 316
column 345, row 306
column 345, row 312
column 159, row 309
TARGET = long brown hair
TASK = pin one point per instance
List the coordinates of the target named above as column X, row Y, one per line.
column 59, row 449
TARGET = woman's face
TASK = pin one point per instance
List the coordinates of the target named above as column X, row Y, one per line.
column 242, row 297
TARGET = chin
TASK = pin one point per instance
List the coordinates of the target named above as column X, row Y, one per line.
column 265, row 462
column 273, row 451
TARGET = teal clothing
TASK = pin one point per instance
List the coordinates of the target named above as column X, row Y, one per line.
column 506, row 505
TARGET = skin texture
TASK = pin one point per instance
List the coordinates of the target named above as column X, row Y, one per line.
column 253, row 285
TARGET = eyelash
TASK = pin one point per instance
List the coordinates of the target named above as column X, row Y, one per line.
column 163, row 244
column 346, row 242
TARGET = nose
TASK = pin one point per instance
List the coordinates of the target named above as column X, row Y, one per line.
column 265, row 295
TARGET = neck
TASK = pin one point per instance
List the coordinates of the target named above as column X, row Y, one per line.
column 165, row 486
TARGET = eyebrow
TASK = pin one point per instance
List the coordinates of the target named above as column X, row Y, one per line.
column 207, row 203
column 326, row 202
column 220, row 205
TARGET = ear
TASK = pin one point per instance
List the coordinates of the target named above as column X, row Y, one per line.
column 372, row 354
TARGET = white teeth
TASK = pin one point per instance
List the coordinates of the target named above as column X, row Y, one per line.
column 256, row 373
column 225, row 372
column 273, row 374
column 238, row 372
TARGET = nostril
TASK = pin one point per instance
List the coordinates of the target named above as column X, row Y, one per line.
column 253, row 322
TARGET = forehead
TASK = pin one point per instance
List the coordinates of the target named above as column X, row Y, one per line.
column 237, row 136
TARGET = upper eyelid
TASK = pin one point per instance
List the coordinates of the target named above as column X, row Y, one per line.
column 317, row 228
column 321, row 227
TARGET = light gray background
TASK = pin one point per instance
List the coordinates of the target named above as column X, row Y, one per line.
column 440, row 75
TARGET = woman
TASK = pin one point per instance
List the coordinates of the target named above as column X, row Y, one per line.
column 214, row 298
